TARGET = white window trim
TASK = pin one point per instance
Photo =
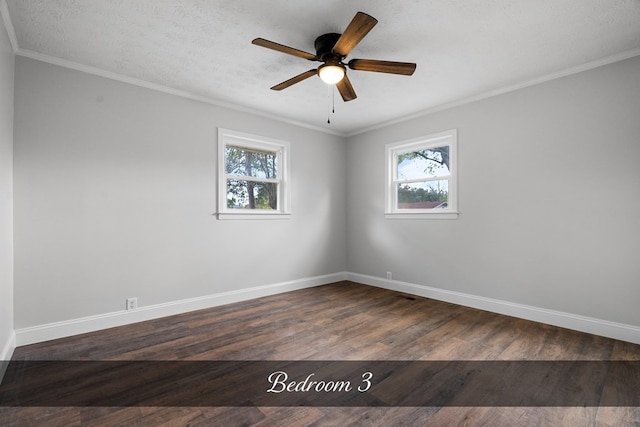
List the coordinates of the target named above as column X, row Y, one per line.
column 449, row 137
column 240, row 139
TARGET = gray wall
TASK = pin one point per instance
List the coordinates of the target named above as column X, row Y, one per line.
column 6, row 191
column 549, row 191
column 115, row 187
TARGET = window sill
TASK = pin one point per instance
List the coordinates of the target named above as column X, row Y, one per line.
column 253, row 215
column 422, row 215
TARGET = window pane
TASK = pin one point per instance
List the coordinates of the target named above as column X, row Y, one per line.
column 252, row 195
column 426, row 163
column 423, row 195
column 248, row 162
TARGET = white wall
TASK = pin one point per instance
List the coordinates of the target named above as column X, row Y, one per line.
column 549, row 191
column 115, row 187
column 6, row 196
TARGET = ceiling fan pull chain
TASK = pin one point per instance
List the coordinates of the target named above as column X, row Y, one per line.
column 333, row 99
column 329, row 103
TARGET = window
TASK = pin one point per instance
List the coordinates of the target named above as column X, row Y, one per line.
column 252, row 176
column 421, row 177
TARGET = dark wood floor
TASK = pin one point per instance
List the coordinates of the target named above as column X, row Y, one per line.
column 341, row 321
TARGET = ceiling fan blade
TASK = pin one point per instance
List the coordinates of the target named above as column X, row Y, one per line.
column 346, row 90
column 293, row 80
column 391, row 67
column 285, row 49
column 359, row 26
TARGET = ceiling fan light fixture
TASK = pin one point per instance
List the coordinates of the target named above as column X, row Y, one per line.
column 331, row 73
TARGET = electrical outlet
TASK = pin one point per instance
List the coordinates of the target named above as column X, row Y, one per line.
column 132, row 303
column 388, row 275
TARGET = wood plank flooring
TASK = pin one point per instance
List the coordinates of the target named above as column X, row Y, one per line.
column 340, row 321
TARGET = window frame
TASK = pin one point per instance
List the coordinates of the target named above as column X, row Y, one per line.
column 450, row 138
column 227, row 137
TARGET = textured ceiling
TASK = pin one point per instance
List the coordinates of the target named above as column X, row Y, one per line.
column 463, row 49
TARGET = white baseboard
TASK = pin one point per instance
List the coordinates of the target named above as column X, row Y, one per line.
column 7, row 349
column 39, row 333
column 5, row 354
column 49, row 331
column 619, row 331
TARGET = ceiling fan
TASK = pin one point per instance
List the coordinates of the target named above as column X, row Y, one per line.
column 332, row 49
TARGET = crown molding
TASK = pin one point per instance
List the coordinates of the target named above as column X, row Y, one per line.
column 26, row 53
column 8, row 24
column 4, row 11
column 553, row 76
column 13, row 39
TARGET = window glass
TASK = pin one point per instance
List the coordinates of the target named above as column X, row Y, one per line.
column 421, row 177
column 431, row 162
column 253, row 176
column 248, row 162
column 252, row 195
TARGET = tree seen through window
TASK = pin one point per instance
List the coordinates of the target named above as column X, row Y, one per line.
column 252, row 175
column 420, row 169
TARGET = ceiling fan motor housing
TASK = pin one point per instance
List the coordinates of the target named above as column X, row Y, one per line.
column 324, row 45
